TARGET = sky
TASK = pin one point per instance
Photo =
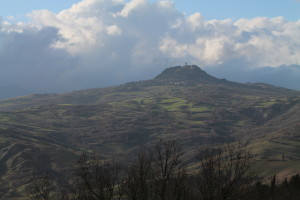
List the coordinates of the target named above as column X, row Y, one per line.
column 211, row 9
column 57, row 46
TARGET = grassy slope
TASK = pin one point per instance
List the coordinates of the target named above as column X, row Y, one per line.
column 116, row 120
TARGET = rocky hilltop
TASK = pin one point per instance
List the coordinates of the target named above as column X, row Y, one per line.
column 187, row 73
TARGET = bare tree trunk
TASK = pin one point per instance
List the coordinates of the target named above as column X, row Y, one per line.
column 224, row 172
column 138, row 184
column 39, row 188
column 97, row 180
column 170, row 177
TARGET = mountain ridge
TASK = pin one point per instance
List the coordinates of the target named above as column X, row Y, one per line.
column 177, row 76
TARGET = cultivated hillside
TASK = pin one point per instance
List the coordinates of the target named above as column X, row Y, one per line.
column 47, row 132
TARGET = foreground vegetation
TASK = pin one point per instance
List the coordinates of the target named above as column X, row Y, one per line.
column 224, row 172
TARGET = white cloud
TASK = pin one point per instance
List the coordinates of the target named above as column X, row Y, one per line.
column 196, row 21
column 113, row 30
column 129, row 7
column 166, row 4
column 262, row 41
column 102, row 42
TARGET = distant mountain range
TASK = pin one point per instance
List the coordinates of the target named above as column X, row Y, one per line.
column 47, row 132
column 9, row 91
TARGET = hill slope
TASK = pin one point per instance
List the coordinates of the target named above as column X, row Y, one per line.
column 47, row 132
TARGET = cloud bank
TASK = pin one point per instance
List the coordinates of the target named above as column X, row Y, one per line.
column 97, row 43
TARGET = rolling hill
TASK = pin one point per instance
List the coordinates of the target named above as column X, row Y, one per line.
column 47, row 132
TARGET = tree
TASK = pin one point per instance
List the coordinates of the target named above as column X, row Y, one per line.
column 97, row 180
column 158, row 174
column 224, row 172
column 138, row 184
column 40, row 187
column 273, row 185
column 170, row 175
